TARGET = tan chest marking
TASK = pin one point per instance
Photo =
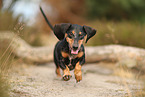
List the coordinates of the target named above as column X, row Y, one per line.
column 64, row 54
column 80, row 54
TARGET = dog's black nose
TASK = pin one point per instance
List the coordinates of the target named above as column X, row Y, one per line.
column 75, row 47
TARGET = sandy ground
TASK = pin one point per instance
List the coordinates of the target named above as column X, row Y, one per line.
column 41, row 81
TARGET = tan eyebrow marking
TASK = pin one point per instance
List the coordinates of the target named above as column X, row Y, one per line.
column 80, row 33
column 73, row 32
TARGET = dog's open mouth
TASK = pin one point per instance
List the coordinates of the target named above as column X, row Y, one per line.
column 74, row 51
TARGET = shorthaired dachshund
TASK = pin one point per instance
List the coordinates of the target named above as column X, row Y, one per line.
column 69, row 52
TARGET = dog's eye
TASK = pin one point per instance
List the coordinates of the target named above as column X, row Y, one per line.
column 70, row 34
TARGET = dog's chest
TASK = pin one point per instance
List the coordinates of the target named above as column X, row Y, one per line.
column 71, row 64
column 72, row 56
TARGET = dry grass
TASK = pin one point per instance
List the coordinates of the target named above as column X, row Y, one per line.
column 6, row 56
column 4, row 87
column 125, row 33
column 5, row 64
column 124, row 73
column 7, row 59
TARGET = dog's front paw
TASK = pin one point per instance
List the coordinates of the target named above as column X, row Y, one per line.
column 78, row 72
column 66, row 77
column 78, row 77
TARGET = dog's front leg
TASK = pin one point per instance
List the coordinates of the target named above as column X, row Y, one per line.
column 66, row 74
column 66, row 71
column 78, row 72
column 78, row 66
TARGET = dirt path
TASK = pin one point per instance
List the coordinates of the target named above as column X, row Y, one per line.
column 41, row 81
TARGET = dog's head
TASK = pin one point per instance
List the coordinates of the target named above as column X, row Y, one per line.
column 74, row 34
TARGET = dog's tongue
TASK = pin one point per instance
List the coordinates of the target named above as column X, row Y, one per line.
column 74, row 52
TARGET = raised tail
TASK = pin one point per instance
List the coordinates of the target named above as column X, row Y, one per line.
column 47, row 21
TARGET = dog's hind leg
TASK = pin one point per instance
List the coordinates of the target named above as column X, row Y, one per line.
column 57, row 67
column 58, row 71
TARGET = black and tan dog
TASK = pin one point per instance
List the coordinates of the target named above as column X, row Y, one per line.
column 69, row 52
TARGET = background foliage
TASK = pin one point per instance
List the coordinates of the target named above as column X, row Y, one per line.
column 117, row 21
column 116, row 9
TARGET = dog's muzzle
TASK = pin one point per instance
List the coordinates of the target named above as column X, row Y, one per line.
column 74, row 50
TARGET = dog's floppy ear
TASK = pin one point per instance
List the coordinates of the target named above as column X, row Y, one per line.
column 89, row 31
column 60, row 30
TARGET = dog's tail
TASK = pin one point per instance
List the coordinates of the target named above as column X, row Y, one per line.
column 47, row 21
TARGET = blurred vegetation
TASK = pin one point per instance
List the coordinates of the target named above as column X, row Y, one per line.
column 6, row 58
column 6, row 61
column 4, row 88
column 116, row 9
column 29, row 34
column 124, row 33
column 117, row 21
column 10, row 23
